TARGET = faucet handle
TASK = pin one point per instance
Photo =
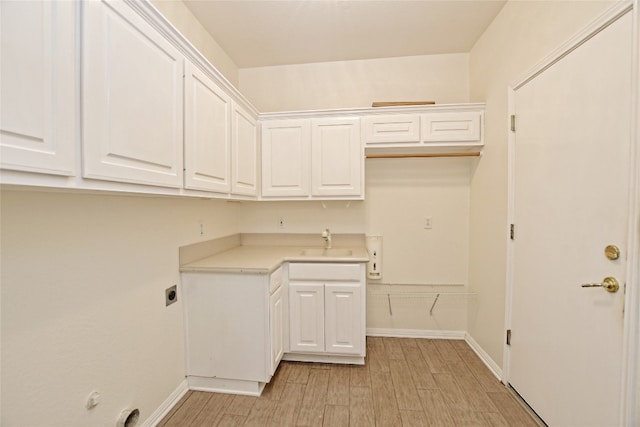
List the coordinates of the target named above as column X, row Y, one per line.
column 326, row 232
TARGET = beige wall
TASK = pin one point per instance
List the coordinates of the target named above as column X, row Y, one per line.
column 83, row 279
column 521, row 35
column 182, row 18
column 439, row 78
column 399, row 194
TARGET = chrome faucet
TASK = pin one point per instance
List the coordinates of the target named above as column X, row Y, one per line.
column 326, row 235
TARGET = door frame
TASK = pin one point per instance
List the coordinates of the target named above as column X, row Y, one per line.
column 630, row 381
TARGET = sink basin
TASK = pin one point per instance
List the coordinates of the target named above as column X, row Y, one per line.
column 333, row 252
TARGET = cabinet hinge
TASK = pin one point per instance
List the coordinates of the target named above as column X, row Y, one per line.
column 513, row 123
column 508, row 336
column 512, row 231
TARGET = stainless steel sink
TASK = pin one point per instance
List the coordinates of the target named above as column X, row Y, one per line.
column 332, row 252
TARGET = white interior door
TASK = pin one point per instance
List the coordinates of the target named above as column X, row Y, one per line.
column 571, row 183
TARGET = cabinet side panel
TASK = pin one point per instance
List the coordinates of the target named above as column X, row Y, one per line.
column 227, row 326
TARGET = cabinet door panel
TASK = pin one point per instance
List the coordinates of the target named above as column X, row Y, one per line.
column 38, row 86
column 343, row 332
column 132, row 98
column 306, row 317
column 398, row 128
column 207, row 136
column 451, row 127
column 244, row 153
column 337, row 157
column 285, row 158
column 276, row 318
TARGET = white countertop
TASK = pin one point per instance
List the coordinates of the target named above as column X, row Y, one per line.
column 265, row 259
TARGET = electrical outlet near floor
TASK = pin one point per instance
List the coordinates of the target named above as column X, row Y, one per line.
column 171, row 295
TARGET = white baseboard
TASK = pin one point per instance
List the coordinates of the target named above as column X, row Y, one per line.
column 224, row 385
column 486, row 359
column 416, row 333
column 167, row 405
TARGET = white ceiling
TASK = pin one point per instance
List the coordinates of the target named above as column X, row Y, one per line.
column 257, row 33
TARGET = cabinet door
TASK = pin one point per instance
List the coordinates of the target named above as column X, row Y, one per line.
column 38, row 86
column 343, row 322
column 285, row 158
column 244, row 153
column 207, row 133
column 397, row 128
column 306, row 317
column 276, row 328
column 337, row 159
column 132, row 98
column 451, row 127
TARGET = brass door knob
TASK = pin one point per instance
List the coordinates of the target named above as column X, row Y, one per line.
column 610, row 284
column 612, row 252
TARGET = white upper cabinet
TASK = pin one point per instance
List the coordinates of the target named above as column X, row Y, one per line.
column 244, row 153
column 337, row 158
column 318, row 158
column 416, row 129
column 207, row 133
column 132, row 98
column 285, row 158
column 38, row 81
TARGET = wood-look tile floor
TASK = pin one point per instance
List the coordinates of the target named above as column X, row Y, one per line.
column 405, row 382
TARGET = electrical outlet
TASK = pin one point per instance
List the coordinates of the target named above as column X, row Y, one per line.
column 281, row 222
column 171, row 295
column 428, row 223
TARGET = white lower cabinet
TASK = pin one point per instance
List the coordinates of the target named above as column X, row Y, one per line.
column 326, row 313
column 234, row 335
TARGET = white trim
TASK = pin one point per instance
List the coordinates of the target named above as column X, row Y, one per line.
column 484, row 356
column 599, row 24
column 511, row 157
column 324, row 358
column 416, row 333
column 225, row 385
column 630, row 351
column 372, row 111
column 167, row 405
column 629, row 403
